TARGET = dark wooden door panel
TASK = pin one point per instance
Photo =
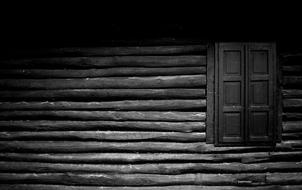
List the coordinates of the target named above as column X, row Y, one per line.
column 245, row 93
column 231, row 93
column 260, row 93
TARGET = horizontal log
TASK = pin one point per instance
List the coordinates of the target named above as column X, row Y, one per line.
column 284, row 179
column 135, row 157
column 291, row 55
column 170, row 187
column 292, row 69
column 105, row 115
column 101, row 94
column 107, row 72
column 102, row 62
column 292, row 93
column 292, row 103
column 152, row 179
column 46, row 125
column 292, row 59
column 252, row 157
column 78, row 147
column 292, row 116
column 182, row 81
column 292, row 126
column 146, row 105
column 292, row 143
column 104, row 136
column 292, row 80
column 107, row 51
column 161, row 168
column 292, row 136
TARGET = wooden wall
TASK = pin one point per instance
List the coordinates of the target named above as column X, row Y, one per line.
column 130, row 118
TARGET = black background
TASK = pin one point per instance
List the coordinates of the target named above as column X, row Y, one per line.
column 75, row 24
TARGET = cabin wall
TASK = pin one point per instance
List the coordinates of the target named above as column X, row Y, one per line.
column 130, row 118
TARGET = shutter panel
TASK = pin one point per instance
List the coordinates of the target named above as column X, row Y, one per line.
column 260, row 93
column 230, row 93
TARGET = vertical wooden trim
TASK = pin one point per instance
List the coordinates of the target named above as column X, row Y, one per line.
column 216, row 93
column 279, row 87
column 246, row 96
column 210, row 93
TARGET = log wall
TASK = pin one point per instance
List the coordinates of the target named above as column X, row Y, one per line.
column 131, row 118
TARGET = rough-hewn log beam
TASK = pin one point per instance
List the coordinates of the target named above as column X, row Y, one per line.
column 105, row 136
column 105, row 115
column 181, row 81
column 107, row 72
column 47, row 125
column 101, row 62
column 101, row 94
column 145, row 105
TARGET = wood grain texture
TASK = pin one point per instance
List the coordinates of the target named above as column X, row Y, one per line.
column 292, row 103
column 47, row 125
column 292, row 80
column 292, row 126
column 292, row 69
column 183, row 81
column 292, row 116
column 107, row 51
column 146, row 105
column 171, row 147
column 102, row 62
column 170, row 187
column 103, row 94
column 105, row 115
column 247, row 157
column 104, row 136
column 152, row 179
column 253, row 157
column 106, row 72
column 292, row 93
column 156, row 168
column 292, row 136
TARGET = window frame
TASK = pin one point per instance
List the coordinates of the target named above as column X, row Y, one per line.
column 212, row 98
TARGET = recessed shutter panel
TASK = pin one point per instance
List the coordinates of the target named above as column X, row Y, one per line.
column 231, row 93
column 260, row 92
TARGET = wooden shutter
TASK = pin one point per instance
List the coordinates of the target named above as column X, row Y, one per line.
column 230, row 93
column 260, row 92
column 245, row 93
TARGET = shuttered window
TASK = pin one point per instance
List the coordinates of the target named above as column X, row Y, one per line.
column 245, row 94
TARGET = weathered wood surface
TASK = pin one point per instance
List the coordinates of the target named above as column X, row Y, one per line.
column 181, row 81
column 145, row 105
column 107, row 72
column 152, row 179
column 105, row 136
column 292, row 115
column 149, row 157
column 172, row 147
column 292, row 103
column 101, row 94
column 46, row 125
column 292, row 136
column 292, row 126
column 292, row 80
column 105, row 115
column 170, row 187
column 247, row 157
column 101, row 62
column 107, row 51
column 156, row 168
column 252, row 157
column 293, row 69
column 292, row 93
